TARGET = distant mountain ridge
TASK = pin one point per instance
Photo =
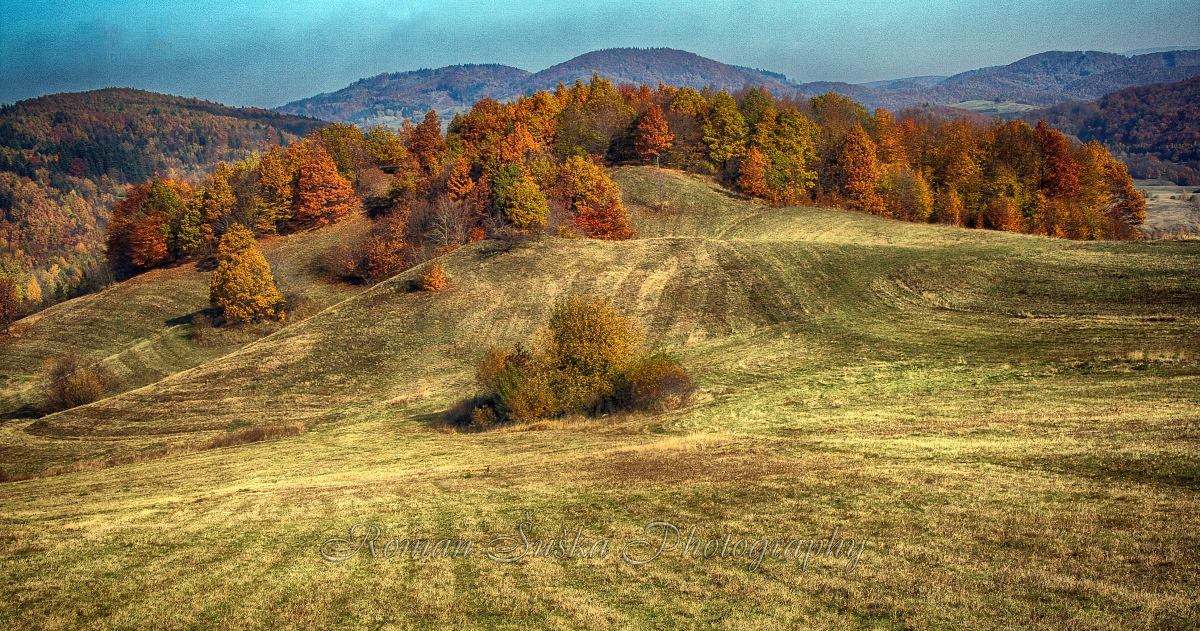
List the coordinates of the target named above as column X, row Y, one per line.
column 388, row 99
column 1044, row 79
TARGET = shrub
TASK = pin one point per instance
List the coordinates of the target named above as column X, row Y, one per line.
column 655, row 381
column 433, row 278
column 73, row 383
column 588, row 361
column 202, row 330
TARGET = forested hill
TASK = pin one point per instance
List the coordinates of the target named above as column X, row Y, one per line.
column 1057, row 76
column 1155, row 129
column 653, row 66
column 65, row 157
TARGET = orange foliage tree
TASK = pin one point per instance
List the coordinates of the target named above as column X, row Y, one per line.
column 1059, row 172
column 595, row 200
column 427, row 144
column 860, row 172
column 653, row 136
column 753, row 178
column 322, row 195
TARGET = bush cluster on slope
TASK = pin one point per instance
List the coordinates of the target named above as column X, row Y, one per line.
column 589, row 360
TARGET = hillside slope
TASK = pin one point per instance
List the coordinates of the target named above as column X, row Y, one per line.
column 141, row 327
column 969, row 402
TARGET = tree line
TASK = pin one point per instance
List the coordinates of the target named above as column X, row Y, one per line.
column 537, row 164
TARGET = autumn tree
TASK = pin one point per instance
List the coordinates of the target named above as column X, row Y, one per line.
column 905, row 193
column 242, row 287
column 754, row 102
column 835, row 115
column 653, row 136
column 887, row 138
column 525, row 205
column 518, row 145
column 860, row 172
column 725, row 132
column 685, row 115
column 594, row 199
column 215, row 202
column 1106, row 190
column 346, row 146
column 277, row 179
column 1059, row 171
column 322, row 195
column 427, row 144
column 144, row 230
column 753, row 177
column 791, row 154
column 385, row 146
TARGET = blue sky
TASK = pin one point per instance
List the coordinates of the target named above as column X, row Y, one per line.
column 269, row 52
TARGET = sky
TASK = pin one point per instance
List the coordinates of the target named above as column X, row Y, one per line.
column 271, row 52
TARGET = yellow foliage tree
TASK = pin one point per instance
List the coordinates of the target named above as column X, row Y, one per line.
column 526, row 205
column 242, row 287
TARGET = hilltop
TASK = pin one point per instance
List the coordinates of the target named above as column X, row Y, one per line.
column 64, row 158
column 927, row 388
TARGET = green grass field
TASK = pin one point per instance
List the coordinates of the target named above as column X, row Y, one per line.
column 1010, row 422
column 1003, row 109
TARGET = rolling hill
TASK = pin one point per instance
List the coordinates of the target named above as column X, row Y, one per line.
column 1002, row 418
column 65, row 157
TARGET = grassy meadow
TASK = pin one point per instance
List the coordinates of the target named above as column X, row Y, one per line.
column 1003, row 109
column 1012, row 423
column 1172, row 211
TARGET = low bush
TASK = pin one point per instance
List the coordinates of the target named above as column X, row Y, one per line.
column 433, row 278
column 589, row 361
column 73, row 383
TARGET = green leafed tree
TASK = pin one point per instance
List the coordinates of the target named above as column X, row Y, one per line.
column 725, row 132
